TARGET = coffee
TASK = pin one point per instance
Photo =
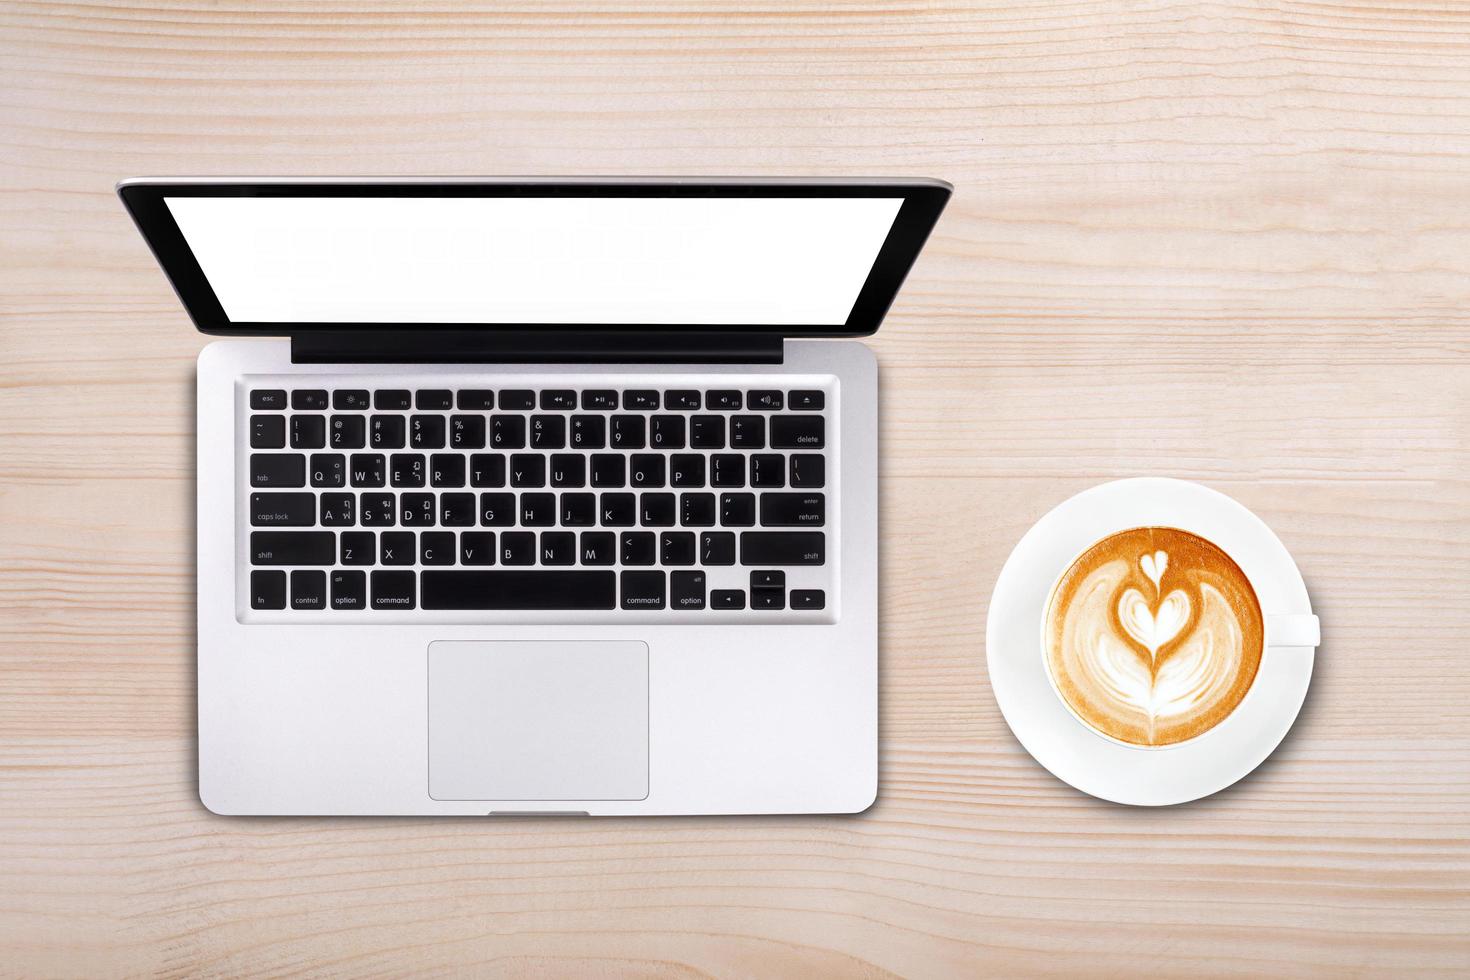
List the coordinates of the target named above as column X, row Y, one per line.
column 1153, row 636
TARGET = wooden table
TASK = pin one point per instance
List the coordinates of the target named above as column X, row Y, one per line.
column 1222, row 241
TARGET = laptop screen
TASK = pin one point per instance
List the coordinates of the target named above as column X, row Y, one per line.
column 748, row 260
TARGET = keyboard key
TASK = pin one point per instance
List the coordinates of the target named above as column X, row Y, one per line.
column 417, row 509
column 686, row 400
column 646, row 470
column 308, row 431
column 433, row 400
column 398, row 548
column 640, row 400
column 568, row 470
column 477, row 548
column 643, row 590
column 457, row 510
column 528, row 470
column 548, row 432
column 717, row 548
column 637, row 548
column 656, row 510
column 618, row 509
column 328, row 470
column 589, row 432
column 737, row 509
column 308, row 589
column 367, row 469
column 538, row 510
column 726, row 470
column 508, row 431
column 518, row 548
column 467, row 431
column 686, row 470
column 309, row 400
column 609, row 470
column 808, row 470
column 793, row 509
column 392, row 400
column 535, row 589
column 347, row 431
column 268, row 589
column 406, row 470
column 747, row 432
column 351, row 400
column 808, row 400
column 386, row 431
column 518, row 400
column 497, row 509
column 558, row 400
column 627, row 432
column 808, row 599
column 578, row 510
column 436, row 548
column 377, row 510
column 707, row 432
column 446, row 470
column 767, row 579
column 476, row 399
column 697, row 509
column 599, row 399
column 768, row 598
column 268, row 399
column 349, row 590
column 676, row 548
column 686, row 590
column 764, row 400
column 426, row 431
column 727, row 599
column 283, row 509
column 798, row 432
column 392, row 590
column 558, row 548
column 267, row 432
column 338, row 509
column 666, row 432
column 723, row 401
column 358, row 548
column 487, row 470
column 598, row 548
column 293, row 548
column 783, row 548
column 277, row 470
column 767, row 470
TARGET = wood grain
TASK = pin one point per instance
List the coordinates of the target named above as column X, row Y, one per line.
column 1228, row 241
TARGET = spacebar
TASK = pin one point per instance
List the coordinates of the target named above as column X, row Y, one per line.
column 531, row 589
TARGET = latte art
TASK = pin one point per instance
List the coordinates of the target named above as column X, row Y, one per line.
column 1153, row 636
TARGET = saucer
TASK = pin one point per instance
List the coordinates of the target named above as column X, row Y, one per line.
column 1090, row 761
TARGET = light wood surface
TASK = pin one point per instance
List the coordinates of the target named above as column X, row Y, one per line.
column 1228, row 241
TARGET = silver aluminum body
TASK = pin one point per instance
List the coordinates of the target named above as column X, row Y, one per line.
column 327, row 713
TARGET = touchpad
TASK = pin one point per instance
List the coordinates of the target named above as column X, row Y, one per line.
column 538, row 720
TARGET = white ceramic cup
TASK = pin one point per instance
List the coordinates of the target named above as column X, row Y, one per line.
column 1091, row 761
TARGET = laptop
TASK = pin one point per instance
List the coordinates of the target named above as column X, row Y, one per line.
column 537, row 496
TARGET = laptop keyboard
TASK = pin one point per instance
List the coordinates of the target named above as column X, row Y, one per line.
column 634, row 499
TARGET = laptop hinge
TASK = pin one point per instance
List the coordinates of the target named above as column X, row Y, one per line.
column 418, row 345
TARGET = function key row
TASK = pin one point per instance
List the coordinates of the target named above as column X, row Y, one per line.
column 525, row 400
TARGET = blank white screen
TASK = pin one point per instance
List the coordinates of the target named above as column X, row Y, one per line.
column 737, row 260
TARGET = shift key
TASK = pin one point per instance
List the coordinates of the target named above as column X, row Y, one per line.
column 293, row 548
column 773, row 549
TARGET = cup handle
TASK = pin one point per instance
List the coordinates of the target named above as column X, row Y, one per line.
column 1294, row 630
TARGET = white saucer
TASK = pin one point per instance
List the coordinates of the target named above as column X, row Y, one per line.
column 1090, row 761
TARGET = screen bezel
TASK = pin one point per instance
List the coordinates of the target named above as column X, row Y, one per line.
column 923, row 200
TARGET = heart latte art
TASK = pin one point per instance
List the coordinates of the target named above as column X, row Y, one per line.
column 1153, row 636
